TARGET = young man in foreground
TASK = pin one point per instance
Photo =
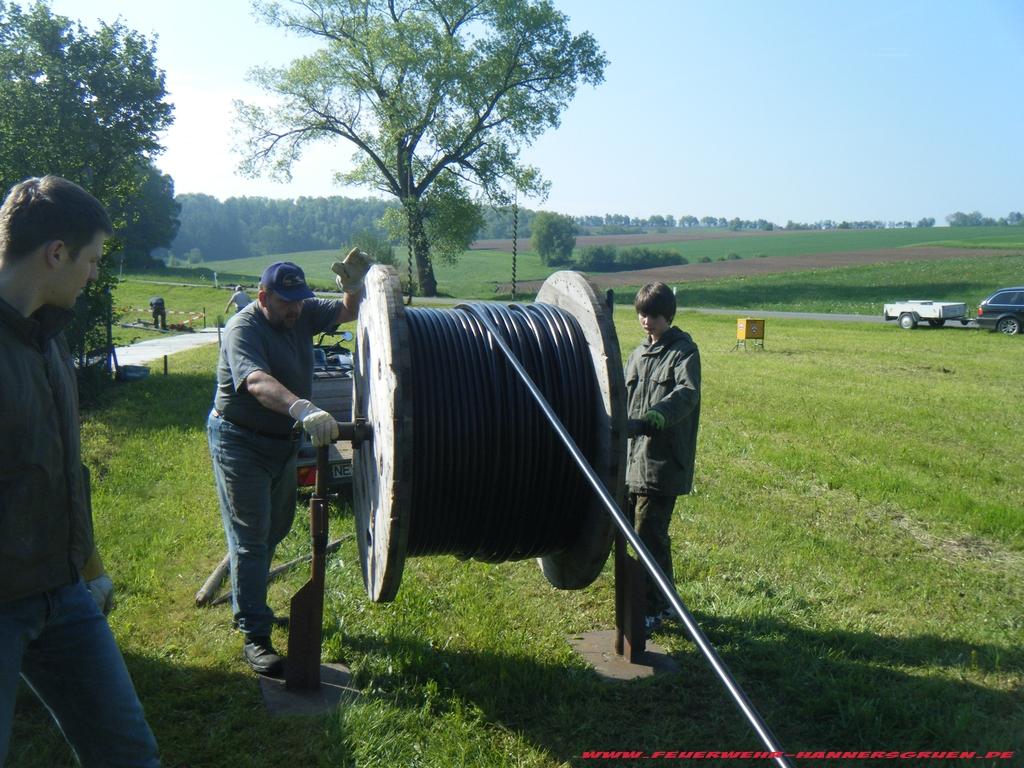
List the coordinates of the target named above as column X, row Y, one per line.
column 52, row 586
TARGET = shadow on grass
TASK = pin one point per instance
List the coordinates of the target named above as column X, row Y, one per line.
column 201, row 717
column 815, row 689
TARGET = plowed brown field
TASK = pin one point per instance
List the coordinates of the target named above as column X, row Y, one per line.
column 679, row 235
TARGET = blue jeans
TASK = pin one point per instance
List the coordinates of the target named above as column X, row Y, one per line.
column 256, row 487
column 62, row 646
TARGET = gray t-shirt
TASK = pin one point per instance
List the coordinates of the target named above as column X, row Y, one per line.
column 249, row 343
column 240, row 299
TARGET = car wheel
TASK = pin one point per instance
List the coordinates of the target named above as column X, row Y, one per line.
column 1008, row 325
column 907, row 321
column 937, row 322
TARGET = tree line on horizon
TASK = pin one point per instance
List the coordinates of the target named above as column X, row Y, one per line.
column 242, row 227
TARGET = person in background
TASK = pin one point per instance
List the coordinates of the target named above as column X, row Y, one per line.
column 264, row 381
column 156, row 306
column 239, row 298
column 53, row 590
column 663, row 407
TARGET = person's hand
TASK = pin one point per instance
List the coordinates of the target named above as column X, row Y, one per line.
column 321, row 427
column 102, row 590
column 352, row 270
column 655, row 420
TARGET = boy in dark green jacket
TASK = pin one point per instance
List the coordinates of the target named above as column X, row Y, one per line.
column 663, row 389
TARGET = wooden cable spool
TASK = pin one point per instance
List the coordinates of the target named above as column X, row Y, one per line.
column 384, row 466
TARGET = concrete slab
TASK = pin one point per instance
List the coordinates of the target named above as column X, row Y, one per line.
column 335, row 685
column 154, row 349
column 598, row 649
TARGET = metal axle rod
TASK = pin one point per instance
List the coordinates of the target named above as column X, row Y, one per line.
column 666, row 587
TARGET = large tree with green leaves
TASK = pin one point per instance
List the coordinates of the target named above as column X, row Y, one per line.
column 88, row 106
column 553, row 236
column 437, row 97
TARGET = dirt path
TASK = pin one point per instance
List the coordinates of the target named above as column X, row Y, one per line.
column 688, row 273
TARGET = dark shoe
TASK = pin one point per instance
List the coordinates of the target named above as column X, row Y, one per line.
column 262, row 658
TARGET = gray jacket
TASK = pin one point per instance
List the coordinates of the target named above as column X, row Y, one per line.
column 664, row 376
column 45, row 525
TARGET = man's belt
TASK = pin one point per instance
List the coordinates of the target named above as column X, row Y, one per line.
column 257, row 432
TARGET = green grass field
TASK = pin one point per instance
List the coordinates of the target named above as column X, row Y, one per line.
column 854, row 290
column 478, row 272
column 853, row 548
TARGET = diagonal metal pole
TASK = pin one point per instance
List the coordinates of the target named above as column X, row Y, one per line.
column 666, row 587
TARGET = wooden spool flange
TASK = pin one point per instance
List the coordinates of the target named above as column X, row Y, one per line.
column 383, row 470
column 382, row 467
column 577, row 566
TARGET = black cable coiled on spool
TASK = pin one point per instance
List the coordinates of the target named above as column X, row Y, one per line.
column 491, row 479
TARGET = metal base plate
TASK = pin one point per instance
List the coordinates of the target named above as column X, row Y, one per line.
column 598, row 649
column 335, row 684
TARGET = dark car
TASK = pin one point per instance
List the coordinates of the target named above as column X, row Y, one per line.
column 1003, row 311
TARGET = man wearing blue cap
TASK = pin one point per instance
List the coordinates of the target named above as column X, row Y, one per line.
column 264, row 380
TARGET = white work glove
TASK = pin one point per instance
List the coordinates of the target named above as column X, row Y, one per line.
column 102, row 590
column 321, row 427
column 352, row 270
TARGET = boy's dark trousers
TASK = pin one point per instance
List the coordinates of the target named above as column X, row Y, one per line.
column 651, row 516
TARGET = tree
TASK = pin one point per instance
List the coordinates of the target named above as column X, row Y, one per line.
column 927, row 221
column 427, row 92
column 149, row 217
column 88, row 106
column 553, row 238
column 972, row 219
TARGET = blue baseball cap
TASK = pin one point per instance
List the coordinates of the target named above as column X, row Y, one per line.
column 287, row 280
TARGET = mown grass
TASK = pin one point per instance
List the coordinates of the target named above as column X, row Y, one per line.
column 131, row 301
column 854, row 290
column 478, row 273
column 853, row 549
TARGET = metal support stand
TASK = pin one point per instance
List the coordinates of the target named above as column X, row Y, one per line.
column 625, row 653
column 309, row 686
column 630, row 601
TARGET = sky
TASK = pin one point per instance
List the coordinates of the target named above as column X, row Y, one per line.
column 885, row 110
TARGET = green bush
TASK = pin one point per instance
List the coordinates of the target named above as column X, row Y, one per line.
column 705, row 259
column 645, row 258
column 733, row 256
column 607, row 258
column 596, row 258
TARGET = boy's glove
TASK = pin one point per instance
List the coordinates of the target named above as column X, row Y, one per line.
column 102, row 590
column 652, row 423
column 321, row 427
column 352, row 270
column 655, row 420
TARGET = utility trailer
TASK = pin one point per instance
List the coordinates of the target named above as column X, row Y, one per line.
column 332, row 391
column 935, row 313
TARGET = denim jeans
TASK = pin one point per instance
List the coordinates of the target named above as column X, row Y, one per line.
column 256, row 486
column 62, row 646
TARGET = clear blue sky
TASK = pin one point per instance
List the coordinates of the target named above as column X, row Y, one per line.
column 888, row 110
